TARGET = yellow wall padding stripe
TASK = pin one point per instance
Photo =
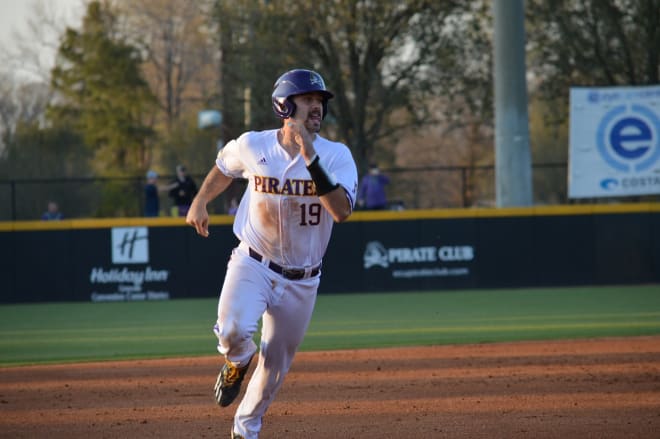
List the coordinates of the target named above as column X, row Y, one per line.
column 385, row 215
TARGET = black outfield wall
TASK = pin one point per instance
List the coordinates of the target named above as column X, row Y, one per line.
column 157, row 259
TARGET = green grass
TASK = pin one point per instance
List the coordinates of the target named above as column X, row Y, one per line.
column 66, row 332
column 57, row 332
column 477, row 316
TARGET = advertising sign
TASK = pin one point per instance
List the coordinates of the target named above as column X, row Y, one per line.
column 129, row 276
column 421, row 261
column 413, row 255
column 614, row 142
column 485, row 249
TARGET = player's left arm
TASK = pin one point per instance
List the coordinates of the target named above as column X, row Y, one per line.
column 332, row 195
column 337, row 204
column 337, row 177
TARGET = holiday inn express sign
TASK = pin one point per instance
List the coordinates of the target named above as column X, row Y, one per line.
column 614, row 142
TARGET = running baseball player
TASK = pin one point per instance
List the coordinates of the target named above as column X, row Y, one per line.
column 299, row 184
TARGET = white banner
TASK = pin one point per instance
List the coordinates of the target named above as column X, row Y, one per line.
column 614, row 142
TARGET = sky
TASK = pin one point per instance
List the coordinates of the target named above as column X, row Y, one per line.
column 15, row 14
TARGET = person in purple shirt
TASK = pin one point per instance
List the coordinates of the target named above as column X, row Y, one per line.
column 53, row 213
column 371, row 195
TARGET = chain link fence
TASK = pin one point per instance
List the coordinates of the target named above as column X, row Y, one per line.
column 410, row 188
column 27, row 199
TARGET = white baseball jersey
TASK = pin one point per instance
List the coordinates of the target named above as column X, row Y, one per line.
column 280, row 215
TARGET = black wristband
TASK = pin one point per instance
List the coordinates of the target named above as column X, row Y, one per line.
column 321, row 179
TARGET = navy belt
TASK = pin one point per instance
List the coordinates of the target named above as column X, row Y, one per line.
column 289, row 273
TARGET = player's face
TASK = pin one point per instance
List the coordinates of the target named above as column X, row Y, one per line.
column 309, row 110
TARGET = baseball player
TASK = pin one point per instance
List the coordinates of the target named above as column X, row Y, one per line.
column 299, row 184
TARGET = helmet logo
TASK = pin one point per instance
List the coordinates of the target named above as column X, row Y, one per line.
column 315, row 78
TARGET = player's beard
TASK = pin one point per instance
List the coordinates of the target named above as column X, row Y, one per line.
column 313, row 122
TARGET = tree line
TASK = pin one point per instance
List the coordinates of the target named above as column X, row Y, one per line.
column 412, row 81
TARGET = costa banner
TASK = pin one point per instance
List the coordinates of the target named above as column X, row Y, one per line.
column 614, row 142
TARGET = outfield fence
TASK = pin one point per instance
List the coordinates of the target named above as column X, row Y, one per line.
column 120, row 259
column 421, row 187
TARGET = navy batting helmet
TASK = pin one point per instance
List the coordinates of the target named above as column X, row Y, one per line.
column 297, row 82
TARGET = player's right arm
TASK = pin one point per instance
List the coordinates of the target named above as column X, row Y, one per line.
column 214, row 184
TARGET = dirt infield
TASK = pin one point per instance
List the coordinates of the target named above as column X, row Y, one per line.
column 607, row 388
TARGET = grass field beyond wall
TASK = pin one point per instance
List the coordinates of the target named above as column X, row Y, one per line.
column 68, row 332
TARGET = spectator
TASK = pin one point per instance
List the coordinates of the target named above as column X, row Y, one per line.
column 151, row 197
column 52, row 213
column 182, row 190
column 371, row 194
column 233, row 206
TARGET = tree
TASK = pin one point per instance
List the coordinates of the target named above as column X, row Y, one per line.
column 583, row 43
column 36, row 152
column 459, row 128
column 25, row 64
column 9, row 110
column 247, row 33
column 28, row 55
column 101, row 93
column 378, row 57
column 592, row 43
column 549, row 149
column 20, row 102
column 180, row 61
column 374, row 56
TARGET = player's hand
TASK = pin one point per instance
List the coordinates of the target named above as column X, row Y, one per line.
column 303, row 138
column 198, row 217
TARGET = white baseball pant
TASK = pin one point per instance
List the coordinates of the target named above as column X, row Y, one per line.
column 251, row 290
